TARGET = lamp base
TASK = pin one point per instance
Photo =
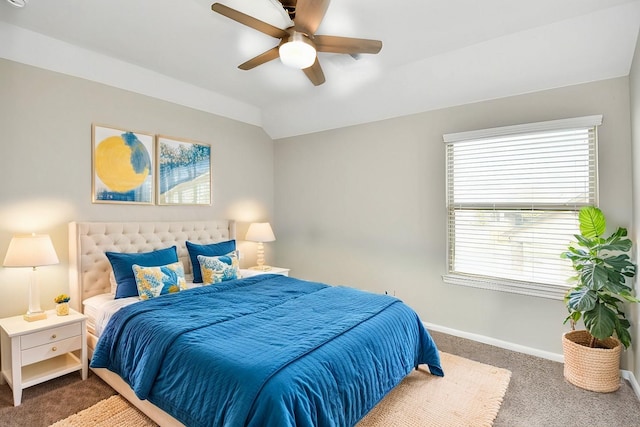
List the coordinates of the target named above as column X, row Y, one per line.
column 261, row 268
column 31, row 317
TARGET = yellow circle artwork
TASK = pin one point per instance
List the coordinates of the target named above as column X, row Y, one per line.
column 122, row 162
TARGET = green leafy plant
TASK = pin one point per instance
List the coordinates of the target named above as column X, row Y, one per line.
column 602, row 266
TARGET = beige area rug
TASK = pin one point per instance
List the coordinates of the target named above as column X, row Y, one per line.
column 470, row 394
column 111, row 412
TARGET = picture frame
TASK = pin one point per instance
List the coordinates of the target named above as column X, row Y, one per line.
column 122, row 166
column 184, row 172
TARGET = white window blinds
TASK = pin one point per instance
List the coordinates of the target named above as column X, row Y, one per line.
column 512, row 198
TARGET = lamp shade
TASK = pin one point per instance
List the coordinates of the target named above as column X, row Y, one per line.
column 260, row 232
column 31, row 250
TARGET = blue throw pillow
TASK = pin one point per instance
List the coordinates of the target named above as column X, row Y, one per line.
column 122, row 265
column 213, row 249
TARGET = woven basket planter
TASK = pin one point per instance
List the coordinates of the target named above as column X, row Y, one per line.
column 594, row 369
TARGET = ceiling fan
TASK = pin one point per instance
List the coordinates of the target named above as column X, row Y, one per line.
column 299, row 44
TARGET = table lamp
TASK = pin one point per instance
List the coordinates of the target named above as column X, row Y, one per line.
column 260, row 232
column 33, row 251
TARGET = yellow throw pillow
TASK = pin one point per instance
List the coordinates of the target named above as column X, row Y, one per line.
column 155, row 281
column 216, row 269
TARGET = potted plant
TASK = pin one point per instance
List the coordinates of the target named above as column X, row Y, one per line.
column 62, row 304
column 592, row 356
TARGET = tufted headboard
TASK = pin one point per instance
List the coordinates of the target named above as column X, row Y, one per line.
column 89, row 267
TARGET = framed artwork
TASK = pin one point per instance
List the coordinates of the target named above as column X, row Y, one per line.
column 184, row 172
column 122, row 166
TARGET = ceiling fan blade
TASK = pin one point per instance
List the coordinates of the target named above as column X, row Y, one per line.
column 267, row 56
column 249, row 21
column 315, row 74
column 335, row 44
column 309, row 14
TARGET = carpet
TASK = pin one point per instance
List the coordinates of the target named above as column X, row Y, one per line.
column 470, row 394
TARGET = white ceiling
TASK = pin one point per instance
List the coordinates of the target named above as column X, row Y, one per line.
column 435, row 53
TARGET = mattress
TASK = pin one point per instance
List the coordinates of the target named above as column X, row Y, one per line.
column 100, row 308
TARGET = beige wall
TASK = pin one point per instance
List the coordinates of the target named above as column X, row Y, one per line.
column 45, row 165
column 365, row 206
column 361, row 206
column 634, row 90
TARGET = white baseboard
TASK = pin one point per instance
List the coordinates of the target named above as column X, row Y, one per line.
column 497, row 343
column 627, row 375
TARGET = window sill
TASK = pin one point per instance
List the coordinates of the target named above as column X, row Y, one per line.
column 504, row 285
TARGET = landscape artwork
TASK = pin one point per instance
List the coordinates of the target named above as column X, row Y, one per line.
column 123, row 165
column 184, row 172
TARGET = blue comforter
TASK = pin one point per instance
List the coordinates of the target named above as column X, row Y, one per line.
column 268, row 350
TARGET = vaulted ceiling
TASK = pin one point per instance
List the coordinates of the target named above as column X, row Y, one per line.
column 435, row 53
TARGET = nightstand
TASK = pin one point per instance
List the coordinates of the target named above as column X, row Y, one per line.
column 274, row 270
column 34, row 352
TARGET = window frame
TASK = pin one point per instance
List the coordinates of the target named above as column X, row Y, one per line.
column 525, row 287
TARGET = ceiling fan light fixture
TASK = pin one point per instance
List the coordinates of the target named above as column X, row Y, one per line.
column 17, row 3
column 298, row 51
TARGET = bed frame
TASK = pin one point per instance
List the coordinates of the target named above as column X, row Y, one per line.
column 89, row 271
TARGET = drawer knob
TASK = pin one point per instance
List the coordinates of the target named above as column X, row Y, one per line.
column 54, row 336
column 54, row 348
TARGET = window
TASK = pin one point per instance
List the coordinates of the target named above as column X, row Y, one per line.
column 513, row 196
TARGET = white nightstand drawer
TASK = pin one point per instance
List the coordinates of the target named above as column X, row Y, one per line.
column 47, row 351
column 50, row 335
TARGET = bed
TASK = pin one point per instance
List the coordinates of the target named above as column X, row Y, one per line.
column 262, row 350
